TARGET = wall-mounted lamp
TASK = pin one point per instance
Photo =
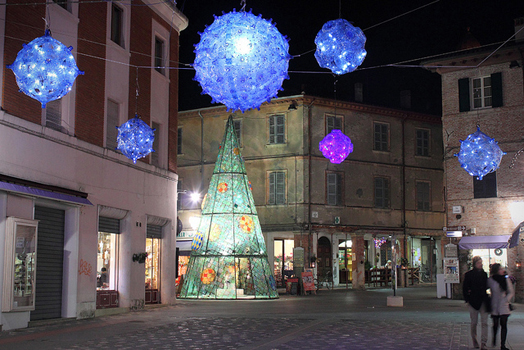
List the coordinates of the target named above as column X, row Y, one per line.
column 514, row 64
column 518, row 265
column 292, row 106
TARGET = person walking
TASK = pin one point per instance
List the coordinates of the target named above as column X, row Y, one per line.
column 474, row 290
column 501, row 293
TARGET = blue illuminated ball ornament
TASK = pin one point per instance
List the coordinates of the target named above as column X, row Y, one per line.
column 336, row 146
column 340, row 46
column 135, row 139
column 479, row 154
column 45, row 69
column 241, row 60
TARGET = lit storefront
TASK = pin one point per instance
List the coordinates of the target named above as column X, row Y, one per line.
column 492, row 249
column 283, row 260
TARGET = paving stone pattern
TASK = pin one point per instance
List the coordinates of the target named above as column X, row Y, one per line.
column 237, row 333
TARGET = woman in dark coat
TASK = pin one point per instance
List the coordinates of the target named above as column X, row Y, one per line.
column 501, row 293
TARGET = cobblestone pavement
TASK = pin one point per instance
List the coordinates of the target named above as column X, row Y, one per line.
column 332, row 320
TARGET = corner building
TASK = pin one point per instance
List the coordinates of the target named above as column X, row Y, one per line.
column 77, row 216
column 484, row 86
column 390, row 188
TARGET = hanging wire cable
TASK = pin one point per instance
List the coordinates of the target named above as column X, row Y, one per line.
column 401, row 15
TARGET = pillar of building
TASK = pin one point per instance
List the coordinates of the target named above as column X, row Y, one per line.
column 359, row 272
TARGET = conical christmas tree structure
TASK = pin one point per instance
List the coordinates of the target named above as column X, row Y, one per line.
column 229, row 258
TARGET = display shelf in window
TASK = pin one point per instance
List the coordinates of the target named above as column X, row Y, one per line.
column 19, row 265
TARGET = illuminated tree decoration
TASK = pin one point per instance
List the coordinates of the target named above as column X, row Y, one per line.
column 241, row 60
column 479, row 154
column 336, row 146
column 340, row 46
column 45, row 69
column 135, row 139
column 229, row 257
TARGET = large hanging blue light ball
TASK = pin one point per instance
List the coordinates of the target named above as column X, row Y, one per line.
column 340, row 46
column 336, row 146
column 45, row 69
column 241, row 60
column 135, row 139
column 479, row 154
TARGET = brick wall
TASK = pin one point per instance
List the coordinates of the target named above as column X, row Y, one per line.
column 24, row 23
column 90, row 94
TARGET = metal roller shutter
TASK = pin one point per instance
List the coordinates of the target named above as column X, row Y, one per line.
column 154, row 231
column 108, row 225
column 49, row 263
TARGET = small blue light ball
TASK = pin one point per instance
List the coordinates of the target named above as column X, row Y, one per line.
column 241, row 60
column 336, row 146
column 340, row 46
column 479, row 154
column 135, row 139
column 45, row 69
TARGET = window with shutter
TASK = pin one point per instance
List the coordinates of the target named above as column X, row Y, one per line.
column 238, row 130
column 159, row 55
column 381, row 136
column 113, row 111
column 485, row 188
column 422, row 147
column 179, row 141
column 333, row 123
column 464, row 103
column 276, row 129
column 381, row 192
column 117, row 22
column 423, row 196
column 53, row 115
column 155, row 156
column 334, row 189
column 277, row 188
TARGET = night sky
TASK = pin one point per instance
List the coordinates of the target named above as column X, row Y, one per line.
column 435, row 29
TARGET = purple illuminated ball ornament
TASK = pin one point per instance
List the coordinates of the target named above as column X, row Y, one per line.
column 241, row 60
column 340, row 46
column 135, row 139
column 479, row 154
column 336, row 146
column 45, row 69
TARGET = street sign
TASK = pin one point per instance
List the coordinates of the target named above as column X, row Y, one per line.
column 455, row 234
column 454, row 228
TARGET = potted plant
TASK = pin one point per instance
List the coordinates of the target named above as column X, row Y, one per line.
column 140, row 257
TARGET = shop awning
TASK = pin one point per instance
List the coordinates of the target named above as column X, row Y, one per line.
column 484, row 242
column 184, row 247
column 515, row 235
column 37, row 192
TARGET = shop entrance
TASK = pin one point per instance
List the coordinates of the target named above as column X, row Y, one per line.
column 283, row 260
column 424, row 257
column 324, row 261
column 152, row 277
column 345, row 262
column 50, row 261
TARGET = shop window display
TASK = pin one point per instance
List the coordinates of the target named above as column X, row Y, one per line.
column 153, row 263
column 20, row 265
column 107, row 261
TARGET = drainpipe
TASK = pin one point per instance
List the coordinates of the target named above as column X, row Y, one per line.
column 201, row 152
column 309, row 175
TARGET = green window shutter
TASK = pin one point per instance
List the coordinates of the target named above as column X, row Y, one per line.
column 280, row 188
column 464, row 103
column 272, row 129
column 271, row 199
column 332, row 189
column 280, row 129
column 496, row 89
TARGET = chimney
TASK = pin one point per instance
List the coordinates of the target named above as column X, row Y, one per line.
column 519, row 25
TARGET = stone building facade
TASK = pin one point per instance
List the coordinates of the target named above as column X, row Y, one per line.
column 484, row 86
column 390, row 187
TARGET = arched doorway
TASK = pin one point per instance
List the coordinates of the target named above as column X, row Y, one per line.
column 324, row 260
